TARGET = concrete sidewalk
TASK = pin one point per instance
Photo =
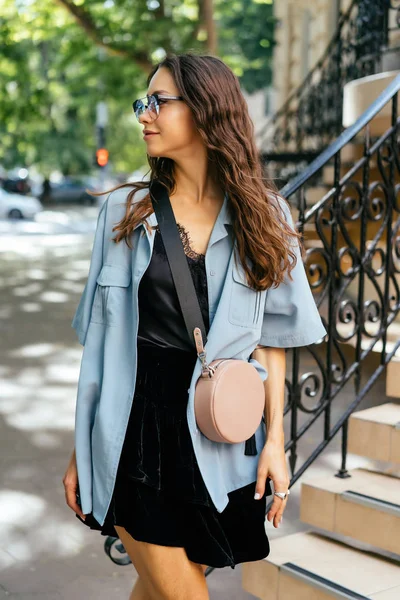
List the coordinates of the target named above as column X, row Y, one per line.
column 45, row 552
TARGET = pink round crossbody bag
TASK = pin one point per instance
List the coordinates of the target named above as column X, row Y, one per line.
column 229, row 394
column 229, row 397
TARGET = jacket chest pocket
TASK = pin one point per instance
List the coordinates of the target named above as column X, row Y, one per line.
column 111, row 295
column 245, row 302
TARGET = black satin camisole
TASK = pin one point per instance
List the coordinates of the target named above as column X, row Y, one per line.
column 161, row 321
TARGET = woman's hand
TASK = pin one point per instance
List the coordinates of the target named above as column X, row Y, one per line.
column 272, row 464
column 70, row 482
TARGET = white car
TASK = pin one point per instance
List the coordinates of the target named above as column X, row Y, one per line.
column 18, row 206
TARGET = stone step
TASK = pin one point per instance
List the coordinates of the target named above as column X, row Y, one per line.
column 307, row 566
column 315, row 194
column 365, row 507
column 375, row 174
column 393, row 378
column 352, row 152
column 375, row 432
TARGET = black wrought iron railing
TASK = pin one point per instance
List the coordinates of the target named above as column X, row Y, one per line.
column 352, row 239
column 353, row 265
column 311, row 117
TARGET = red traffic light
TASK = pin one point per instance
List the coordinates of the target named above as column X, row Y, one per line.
column 102, row 157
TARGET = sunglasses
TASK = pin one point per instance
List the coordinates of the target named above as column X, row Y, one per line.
column 152, row 104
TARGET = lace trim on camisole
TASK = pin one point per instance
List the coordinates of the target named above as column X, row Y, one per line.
column 186, row 241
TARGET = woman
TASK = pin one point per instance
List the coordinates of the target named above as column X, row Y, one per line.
column 141, row 470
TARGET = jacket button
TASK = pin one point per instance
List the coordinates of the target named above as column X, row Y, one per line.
column 212, row 272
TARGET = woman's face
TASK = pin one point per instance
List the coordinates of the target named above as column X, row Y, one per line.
column 174, row 126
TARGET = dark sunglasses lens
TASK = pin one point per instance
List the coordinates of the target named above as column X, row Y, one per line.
column 153, row 106
column 139, row 107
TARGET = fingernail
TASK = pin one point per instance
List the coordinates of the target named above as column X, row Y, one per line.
column 257, row 496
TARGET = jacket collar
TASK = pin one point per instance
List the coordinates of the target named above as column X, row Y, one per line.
column 219, row 230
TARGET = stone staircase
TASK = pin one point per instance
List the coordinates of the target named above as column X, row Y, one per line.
column 356, row 555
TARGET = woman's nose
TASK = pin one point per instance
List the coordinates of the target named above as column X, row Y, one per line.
column 145, row 117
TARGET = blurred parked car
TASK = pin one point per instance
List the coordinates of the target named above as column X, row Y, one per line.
column 18, row 206
column 71, row 190
column 16, row 185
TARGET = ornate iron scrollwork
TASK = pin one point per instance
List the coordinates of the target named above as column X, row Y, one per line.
column 352, row 259
column 362, row 38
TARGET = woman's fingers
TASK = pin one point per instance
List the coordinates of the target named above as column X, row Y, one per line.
column 260, row 484
column 70, row 482
column 275, row 513
column 71, row 497
column 272, row 464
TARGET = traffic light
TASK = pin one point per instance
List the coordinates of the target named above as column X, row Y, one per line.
column 102, row 157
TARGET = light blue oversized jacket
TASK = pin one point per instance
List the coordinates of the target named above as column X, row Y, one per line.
column 106, row 322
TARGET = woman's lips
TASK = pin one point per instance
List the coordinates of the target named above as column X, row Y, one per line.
column 148, row 135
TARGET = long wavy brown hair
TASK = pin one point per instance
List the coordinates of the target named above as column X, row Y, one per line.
column 220, row 111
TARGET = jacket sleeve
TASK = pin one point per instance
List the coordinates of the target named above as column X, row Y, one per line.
column 291, row 317
column 81, row 319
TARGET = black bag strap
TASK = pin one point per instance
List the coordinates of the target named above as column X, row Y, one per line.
column 181, row 274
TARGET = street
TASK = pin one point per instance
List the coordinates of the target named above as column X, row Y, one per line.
column 52, row 221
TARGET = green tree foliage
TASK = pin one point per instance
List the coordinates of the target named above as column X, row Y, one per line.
column 58, row 58
column 246, row 41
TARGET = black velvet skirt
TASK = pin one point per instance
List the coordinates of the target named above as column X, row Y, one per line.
column 159, row 494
